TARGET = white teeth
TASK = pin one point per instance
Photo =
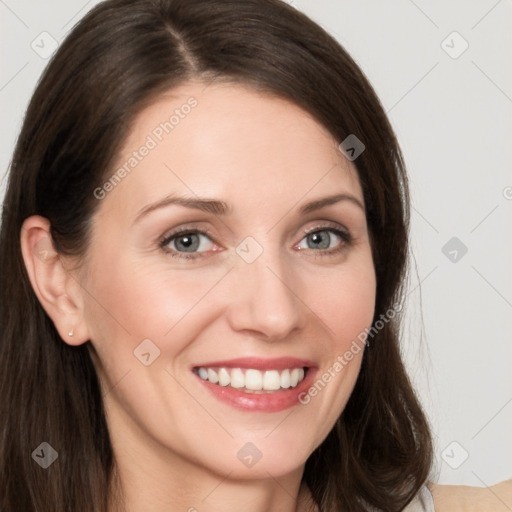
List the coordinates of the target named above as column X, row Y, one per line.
column 294, row 377
column 224, row 378
column 237, row 378
column 252, row 379
column 212, row 376
column 285, row 379
column 271, row 380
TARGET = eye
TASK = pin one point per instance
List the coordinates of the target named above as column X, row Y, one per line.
column 192, row 243
column 326, row 239
column 189, row 241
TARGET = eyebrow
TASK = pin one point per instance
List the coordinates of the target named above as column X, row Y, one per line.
column 327, row 201
column 217, row 207
column 213, row 206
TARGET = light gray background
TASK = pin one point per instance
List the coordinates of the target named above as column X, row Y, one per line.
column 452, row 115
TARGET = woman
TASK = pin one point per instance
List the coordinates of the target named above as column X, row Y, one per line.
column 203, row 246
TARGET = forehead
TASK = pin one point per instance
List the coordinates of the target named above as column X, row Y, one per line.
column 228, row 141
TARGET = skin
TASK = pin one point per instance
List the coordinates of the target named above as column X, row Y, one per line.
column 464, row 498
column 175, row 443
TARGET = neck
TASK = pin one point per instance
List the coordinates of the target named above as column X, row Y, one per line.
column 145, row 487
column 152, row 478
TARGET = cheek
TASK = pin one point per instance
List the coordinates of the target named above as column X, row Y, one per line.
column 343, row 299
column 346, row 301
column 345, row 305
column 132, row 301
column 353, row 307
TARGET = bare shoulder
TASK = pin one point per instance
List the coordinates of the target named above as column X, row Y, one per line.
column 463, row 498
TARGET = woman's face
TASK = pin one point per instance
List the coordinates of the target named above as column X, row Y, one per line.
column 228, row 259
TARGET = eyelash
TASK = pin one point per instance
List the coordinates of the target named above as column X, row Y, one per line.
column 345, row 236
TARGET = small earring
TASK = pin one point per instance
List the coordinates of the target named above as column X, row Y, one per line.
column 70, row 333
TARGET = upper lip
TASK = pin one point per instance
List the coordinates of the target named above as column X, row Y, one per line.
column 259, row 363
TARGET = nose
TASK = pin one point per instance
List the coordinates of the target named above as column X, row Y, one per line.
column 265, row 300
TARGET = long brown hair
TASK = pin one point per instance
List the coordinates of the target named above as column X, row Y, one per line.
column 116, row 61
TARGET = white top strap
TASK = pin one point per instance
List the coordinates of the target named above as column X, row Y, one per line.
column 423, row 502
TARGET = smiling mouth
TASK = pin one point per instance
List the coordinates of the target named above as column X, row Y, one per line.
column 251, row 380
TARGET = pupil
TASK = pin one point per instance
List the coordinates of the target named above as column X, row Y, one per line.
column 188, row 243
column 320, row 240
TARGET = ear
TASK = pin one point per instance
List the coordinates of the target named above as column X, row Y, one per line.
column 56, row 287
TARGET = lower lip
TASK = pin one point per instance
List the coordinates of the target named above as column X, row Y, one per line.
column 263, row 402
